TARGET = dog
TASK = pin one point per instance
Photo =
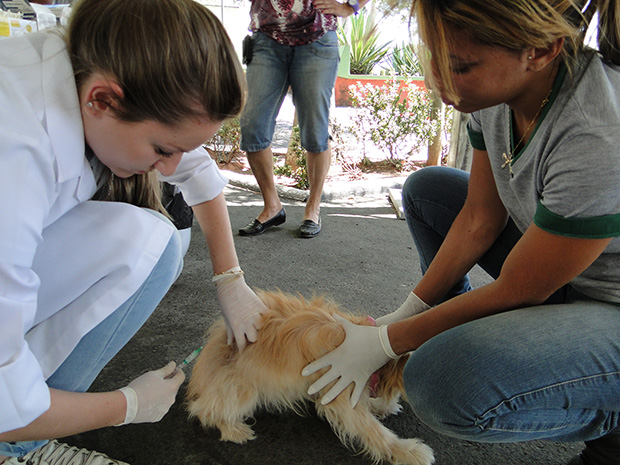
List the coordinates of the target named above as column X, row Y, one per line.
column 227, row 386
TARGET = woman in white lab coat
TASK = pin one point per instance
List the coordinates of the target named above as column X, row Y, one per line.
column 85, row 125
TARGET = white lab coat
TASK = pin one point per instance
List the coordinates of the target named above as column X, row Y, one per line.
column 66, row 263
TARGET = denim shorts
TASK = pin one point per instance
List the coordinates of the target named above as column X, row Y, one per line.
column 310, row 70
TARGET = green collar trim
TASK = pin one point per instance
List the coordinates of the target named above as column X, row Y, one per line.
column 555, row 90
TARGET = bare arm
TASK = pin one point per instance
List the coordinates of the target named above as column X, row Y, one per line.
column 539, row 264
column 71, row 413
column 481, row 220
column 334, row 7
column 148, row 399
column 215, row 224
column 240, row 305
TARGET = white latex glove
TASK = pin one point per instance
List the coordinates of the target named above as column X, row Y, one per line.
column 241, row 307
column 364, row 350
column 412, row 306
column 150, row 396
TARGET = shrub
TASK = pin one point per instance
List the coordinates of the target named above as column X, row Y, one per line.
column 224, row 145
column 395, row 116
column 300, row 172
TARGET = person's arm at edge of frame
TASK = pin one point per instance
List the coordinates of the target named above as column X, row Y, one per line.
column 334, row 7
column 146, row 399
column 72, row 413
column 539, row 264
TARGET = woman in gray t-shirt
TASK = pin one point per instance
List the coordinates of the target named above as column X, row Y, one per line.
column 534, row 354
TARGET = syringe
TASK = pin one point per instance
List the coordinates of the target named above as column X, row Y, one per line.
column 189, row 359
column 185, row 362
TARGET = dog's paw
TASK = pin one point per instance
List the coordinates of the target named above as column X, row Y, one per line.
column 382, row 407
column 237, row 432
column 412, row 452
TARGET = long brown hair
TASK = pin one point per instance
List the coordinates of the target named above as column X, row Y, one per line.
column 172, row 59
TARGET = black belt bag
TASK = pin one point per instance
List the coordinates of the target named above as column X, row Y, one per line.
column 247, row 50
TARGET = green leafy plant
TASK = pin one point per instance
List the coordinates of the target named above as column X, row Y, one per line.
column 362, row 36
column 395, row 116
column 300, row 172
column 405, row 61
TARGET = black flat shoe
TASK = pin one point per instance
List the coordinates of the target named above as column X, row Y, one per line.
column 309, row 228
column 255, row 227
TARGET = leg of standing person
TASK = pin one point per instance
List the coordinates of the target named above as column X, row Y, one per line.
column 267, row 78
column 318, row 165
column 261, row 163
column 313, row 74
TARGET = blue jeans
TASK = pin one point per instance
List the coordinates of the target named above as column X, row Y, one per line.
column 546, row 372
column 310, row 70
column 103, row 342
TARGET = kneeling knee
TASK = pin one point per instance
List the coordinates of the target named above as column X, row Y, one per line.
column 442, row 392
column 170, row 261
column 173, row 254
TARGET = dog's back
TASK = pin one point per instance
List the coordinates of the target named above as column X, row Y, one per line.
column 294, row 332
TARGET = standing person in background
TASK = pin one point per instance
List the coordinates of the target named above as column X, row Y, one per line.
column 294, row 43
column 535, row 354
column 88, row 123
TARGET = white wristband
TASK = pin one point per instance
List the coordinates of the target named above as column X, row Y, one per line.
column 385, row 343
column 132, row 404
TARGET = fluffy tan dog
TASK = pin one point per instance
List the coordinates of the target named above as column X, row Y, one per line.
column 227, row 387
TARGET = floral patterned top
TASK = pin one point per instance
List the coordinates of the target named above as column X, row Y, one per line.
column 290, row 22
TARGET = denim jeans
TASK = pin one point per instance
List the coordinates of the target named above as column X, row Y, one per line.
column 310, row 70
column 550, row 371
column 103, row 342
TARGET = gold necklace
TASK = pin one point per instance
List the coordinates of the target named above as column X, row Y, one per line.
column 507, row 158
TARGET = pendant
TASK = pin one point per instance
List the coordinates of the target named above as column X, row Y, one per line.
column 507, row 159
column 507, row 162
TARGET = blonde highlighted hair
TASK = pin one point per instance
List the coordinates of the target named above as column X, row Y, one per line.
column 172, row 59
column 514, row 25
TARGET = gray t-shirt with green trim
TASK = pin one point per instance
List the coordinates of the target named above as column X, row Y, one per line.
column 567, row 178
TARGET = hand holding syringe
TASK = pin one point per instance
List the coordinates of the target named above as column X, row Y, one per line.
column 181, row 366
column 149, row 397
